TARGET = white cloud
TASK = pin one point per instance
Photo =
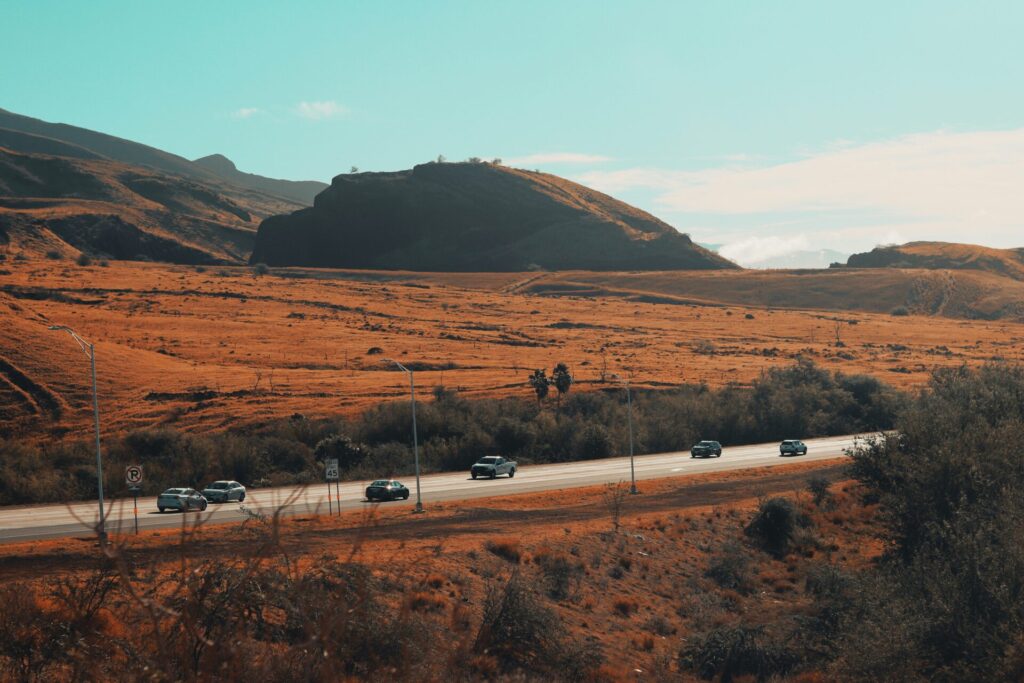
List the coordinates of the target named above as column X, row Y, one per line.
column 943, row 185
column 246, row 112
column 326, row 109
column 557, row 158
column 751, row 251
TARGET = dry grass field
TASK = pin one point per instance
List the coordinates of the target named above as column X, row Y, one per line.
column 208, row 348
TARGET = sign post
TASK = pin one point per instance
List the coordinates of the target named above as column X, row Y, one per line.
column 133, row 477
column 331, row 472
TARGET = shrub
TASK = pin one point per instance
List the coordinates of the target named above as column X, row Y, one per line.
column 731, row 568
column 818, row 486
column 900, row 311
column 559, row 574
column 506, row 550
column 54, row 255
column 727, row 652
column 774, row 524
column 260, row 269
column 84, row 259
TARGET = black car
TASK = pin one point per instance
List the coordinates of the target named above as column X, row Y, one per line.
column 706, row 449
column 792, row 447
column 387, row 489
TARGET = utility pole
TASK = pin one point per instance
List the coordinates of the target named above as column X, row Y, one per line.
column 415, row 436
column 90, row 350
column 629, row 416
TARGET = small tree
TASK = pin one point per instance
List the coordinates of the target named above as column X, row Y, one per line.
column 441, row 159
column 353, row 169
column 541, row 386
column 496, row 161
column 341, row 448
column 562, row 379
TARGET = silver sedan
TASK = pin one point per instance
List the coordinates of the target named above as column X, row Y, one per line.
column 224, row 491
column 181, row 499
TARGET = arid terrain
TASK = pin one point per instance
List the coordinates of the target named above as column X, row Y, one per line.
column 632, row 578
column 205, row 348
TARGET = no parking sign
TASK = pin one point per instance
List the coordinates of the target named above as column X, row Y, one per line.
column 133, row 475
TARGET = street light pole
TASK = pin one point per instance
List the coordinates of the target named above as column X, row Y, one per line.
column 415, row 436
column 90, row 350
column 629, row 417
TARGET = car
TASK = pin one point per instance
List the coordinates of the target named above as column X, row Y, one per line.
column 792, row 447
column 224, row 491
column 181, row 499
column 387, row 489
column 706, row 449
column 493, row 465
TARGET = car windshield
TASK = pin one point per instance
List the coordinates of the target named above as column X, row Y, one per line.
column 174, row 492
column 490, row 460
column 380, row 482
column 788, row 443
column 707, row 443
column 219, row 485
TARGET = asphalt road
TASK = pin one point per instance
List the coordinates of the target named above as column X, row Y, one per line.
column 77, row 519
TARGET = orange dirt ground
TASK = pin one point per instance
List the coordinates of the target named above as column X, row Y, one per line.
column 209, row 348
column 640, row 589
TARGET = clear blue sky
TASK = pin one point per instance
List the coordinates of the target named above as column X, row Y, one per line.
column 658, row 98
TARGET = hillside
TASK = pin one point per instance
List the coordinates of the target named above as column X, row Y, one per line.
column 208, row 349
column 25, row 134
column 945, row 256
column 80, row 203
column 473, row 217
column 967, row 294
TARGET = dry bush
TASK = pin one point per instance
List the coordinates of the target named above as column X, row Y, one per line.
column 506, row 550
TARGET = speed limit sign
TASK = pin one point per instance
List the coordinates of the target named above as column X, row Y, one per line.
column 133, row 475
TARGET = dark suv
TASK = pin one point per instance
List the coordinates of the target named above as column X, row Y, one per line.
column 792, row 447
column 706, row 449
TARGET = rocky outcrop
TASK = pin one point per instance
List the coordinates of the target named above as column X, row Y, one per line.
column 473, row 217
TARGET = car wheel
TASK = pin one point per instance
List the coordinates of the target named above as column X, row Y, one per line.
column 494, row 475
column 162, row 509
column 473, row 474
column 406, row 496
column 202, row 506
column 241, row 497
column 511, row 473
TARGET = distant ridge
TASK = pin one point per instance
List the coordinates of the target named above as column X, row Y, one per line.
column 943, row 256
column 78, row 140
column 474, row 217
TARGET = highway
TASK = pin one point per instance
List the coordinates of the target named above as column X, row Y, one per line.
column 36, row 522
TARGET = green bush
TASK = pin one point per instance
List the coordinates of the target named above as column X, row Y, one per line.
column 774, row 525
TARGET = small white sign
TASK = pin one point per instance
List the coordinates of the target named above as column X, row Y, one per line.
column 133, row 475
column 331, row 468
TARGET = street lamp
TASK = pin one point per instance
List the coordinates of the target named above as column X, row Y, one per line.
column 629, row 414
column 90, row 351
column 415, row 438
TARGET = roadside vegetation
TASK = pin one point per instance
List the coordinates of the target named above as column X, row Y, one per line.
column 800, row 401
column 911, row 570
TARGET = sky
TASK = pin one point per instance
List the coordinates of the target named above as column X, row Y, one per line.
column 767, row 127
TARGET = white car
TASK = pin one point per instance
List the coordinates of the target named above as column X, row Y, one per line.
column 181, row 499
column 224, row 491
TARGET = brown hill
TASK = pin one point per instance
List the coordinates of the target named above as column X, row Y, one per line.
column 68, row 204
column 37, row 136
column 474, row 217
column 945, row 256
column 948, row 293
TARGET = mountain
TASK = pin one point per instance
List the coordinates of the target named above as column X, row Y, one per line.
column 302, row 191
column 42, row 137
column 943, row 256
column 81, row 203
column 473, row 217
